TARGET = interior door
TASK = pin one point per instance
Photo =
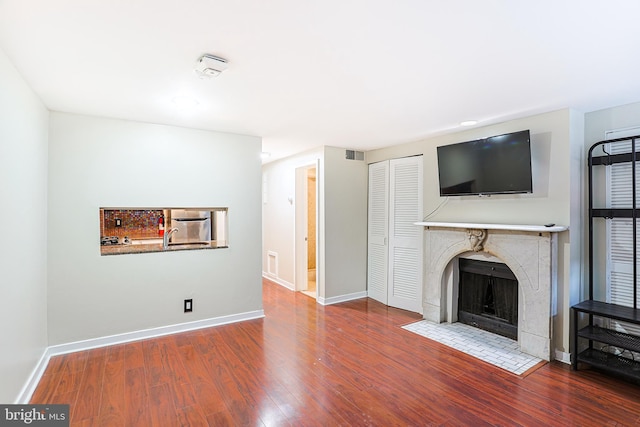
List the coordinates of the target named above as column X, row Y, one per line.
column 304, row 216
column 301, row 225
column 377, row 231
column 405, row 238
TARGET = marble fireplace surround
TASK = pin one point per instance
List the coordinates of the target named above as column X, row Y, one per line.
column 530, row 251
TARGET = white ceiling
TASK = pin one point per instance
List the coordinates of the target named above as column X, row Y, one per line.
column 358, row 74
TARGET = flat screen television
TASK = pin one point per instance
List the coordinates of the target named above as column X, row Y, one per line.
column 497, row 165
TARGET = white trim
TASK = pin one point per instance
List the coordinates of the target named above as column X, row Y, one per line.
column 152, row 333
column 30, row 386
column 279, row 281
column 563, row 357
column 369, row 296
column 300, row 226
column 342, row 298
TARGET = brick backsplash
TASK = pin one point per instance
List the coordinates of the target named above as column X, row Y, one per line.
column 136, row 224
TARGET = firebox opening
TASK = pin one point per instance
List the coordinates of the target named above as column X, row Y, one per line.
column 488, row 297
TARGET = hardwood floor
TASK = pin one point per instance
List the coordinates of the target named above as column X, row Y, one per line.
column 307, row 365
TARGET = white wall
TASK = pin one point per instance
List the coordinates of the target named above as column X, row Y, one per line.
column 96, row 162
column 23, row 215
column 342, row 228
column 572, row 256
column 556, row 146
column 278, row 214
column 345, row 224
column 550, row 148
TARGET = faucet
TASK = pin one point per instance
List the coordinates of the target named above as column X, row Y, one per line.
column 165, row 238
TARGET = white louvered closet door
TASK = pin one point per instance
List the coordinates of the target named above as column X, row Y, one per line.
column 377, row 231
column 405, row 238
column 620, row 230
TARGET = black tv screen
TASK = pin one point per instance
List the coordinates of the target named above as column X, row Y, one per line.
column 497, row 165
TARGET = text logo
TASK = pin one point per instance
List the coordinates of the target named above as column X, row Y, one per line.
column 34, row 415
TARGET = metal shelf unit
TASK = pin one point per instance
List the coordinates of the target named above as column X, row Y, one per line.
column 607, row 361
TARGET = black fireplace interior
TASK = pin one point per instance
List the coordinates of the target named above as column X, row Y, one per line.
column 488, row 297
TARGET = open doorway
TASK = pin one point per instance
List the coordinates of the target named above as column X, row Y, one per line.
column 306, row 230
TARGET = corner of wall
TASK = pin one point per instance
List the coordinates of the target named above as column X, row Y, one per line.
column 24, row 124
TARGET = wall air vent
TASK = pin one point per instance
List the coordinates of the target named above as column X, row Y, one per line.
column 354, row 155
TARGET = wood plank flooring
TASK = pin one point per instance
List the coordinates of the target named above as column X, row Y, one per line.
column 348, row 364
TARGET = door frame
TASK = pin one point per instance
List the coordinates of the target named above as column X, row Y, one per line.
column 301, row 227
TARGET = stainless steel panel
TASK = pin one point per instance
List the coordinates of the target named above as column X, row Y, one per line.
column 193, row 226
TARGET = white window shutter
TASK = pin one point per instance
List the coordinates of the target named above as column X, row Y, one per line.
column 620, row 230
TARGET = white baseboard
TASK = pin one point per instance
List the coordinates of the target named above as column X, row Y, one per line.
column 279, row 281
column 152, row 333
column 55, row 350
column 320, row 300
column 341, row 298
column 30, row 386
column 563, row 357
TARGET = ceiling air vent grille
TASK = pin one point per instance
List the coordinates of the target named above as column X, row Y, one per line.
column 354, row 155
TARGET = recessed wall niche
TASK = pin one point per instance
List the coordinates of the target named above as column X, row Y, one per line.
column 139, row 230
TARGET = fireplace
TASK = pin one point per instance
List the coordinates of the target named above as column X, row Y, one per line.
column 529, row 252
column 488, row 297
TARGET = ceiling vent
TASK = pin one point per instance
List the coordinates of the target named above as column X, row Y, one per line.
column 354, row 155
column 210, row 66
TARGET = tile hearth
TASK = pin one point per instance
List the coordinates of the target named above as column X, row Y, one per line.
column 486, row 346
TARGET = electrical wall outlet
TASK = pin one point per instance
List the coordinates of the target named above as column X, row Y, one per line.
column 118, row 222
column 188, row 305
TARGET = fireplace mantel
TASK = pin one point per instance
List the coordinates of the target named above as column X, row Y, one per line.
column 512, row 227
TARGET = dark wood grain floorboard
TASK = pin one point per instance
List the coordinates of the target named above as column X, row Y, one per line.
column 305, row 364
column 136, row 404
column 89, row 397
column 113, row 389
